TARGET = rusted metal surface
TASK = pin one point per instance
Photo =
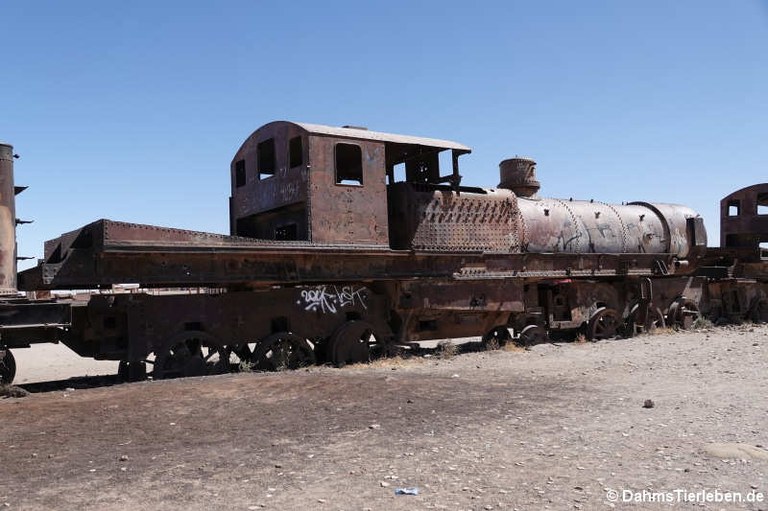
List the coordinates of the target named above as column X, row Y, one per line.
column 324, row 184
column 744, row 218
column 7, row 222
column 107, row 252
column 377, row 136
column 424, row 218
column 131, row 326
column 519, row 176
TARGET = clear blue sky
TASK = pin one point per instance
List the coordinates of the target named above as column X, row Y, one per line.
column 133, row 110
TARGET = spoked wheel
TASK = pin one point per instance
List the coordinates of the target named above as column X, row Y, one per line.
column 351, row 343
column 532, row 335
column 281, row 351
column 637, row 324
column 496, row 338
column 604, row 324
column 132, row 371
column 191, row 353
column 654, row 320
column 758, row 313
column 7, row 367
column 682, row 313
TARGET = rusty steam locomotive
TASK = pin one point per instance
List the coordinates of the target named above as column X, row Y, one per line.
column 346, row 242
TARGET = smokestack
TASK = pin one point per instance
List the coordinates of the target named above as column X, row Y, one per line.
column 519, row 175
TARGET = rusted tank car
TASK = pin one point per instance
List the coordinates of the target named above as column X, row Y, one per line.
column 346, row 241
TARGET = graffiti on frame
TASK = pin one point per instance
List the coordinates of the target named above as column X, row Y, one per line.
column 329, row 299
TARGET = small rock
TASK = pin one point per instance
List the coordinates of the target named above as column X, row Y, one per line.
column 648, row 403
column 374, row 426
column 384, row 484
column 123, row 458
column 12, row 391
column 321, row 501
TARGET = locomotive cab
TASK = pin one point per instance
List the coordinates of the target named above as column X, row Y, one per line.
column 333, row 186
column 744, row 221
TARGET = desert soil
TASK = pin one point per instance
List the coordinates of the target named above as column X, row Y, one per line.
column 556, row 427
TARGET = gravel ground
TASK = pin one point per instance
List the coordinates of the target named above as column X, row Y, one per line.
column 672, row 420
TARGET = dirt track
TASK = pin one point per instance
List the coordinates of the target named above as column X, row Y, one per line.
column 555, row 427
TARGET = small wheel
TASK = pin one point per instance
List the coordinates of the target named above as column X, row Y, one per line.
column 496, row 338
column 758, row 313
column 682, row 313
column 654, row 320
column 132, row 371
column 532, row 335
column 281, row 351
column 604, row 324
column 7, row 367
column 351, row 343
column 191, row 353
column 637, row 324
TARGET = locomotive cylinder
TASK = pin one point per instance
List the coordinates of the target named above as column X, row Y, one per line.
column 7, row 222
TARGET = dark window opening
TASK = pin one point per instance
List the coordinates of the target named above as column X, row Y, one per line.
column 266, row 155
column 423, row 168
column 239, row 173
column 287, row 232
column 734, row 208
column 762, row 203
column 349, row 164
column 429, row 325
column 295, row 152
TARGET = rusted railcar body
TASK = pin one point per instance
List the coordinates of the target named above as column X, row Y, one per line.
column 343, row 241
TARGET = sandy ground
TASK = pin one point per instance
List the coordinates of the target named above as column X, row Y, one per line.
column 46, row 362
column 557, row 427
